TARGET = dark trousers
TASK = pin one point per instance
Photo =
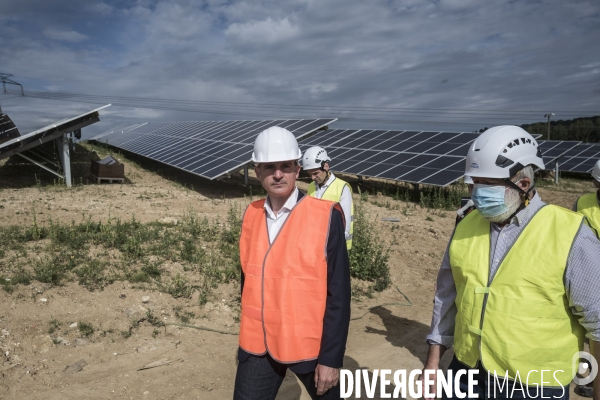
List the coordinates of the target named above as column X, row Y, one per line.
column 503, row 389
column 259, row 378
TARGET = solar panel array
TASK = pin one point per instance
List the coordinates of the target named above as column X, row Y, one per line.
column 552, row 149
column 432, row 158
column 579, row 159
column 206, row 148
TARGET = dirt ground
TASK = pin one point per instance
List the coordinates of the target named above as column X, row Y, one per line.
column 197, row 363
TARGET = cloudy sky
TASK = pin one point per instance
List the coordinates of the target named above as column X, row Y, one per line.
column 455, row 65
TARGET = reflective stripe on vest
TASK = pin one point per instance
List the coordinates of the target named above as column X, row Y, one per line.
column 521, row 321
column 589, row 207
column 334, row 193
column 285, row 283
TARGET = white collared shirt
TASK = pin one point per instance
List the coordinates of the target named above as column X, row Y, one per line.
column 345, row 202
column 275, row 222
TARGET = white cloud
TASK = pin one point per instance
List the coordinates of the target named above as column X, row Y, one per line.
column 503, row 55
column 267, row 31
column 70, row 36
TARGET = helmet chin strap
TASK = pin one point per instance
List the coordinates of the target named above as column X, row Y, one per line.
column 523, row 193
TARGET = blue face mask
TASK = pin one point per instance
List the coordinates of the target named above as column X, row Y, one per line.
column 489, row 200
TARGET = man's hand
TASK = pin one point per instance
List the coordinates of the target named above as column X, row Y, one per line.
column 432, row 388
column 434, row 356
column 325, row 378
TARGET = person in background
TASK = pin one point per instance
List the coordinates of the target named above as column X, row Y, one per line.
column 295, row 281
column 325, row 185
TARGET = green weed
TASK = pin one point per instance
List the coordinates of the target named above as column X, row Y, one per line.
column 85, row 329
column 177, row 287
column 183, row 316
column 54, row 325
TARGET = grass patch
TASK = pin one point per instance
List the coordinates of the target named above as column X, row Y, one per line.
column 183, row 316
column 85, row 329
column 178, row 286
column 98, row 253
column 54, row 325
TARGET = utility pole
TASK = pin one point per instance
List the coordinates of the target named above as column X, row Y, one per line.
column 5, row 79
column 549, row 115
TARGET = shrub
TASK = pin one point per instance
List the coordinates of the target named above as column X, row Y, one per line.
column 368, row 257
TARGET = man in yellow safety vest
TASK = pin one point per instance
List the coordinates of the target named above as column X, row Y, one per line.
column 325, row 185
column 517, row 291
column 589, row 206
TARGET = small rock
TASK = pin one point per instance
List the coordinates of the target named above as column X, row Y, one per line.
column 169, row 220
column 62, row 341
column 122, row 296
column 44, row 300
column 73, row 325
column 131, row 311
column 76, row 367
column 145, row 299
column 81, row 342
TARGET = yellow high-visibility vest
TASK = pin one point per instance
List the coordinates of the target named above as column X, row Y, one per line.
column 589, row 207
column 519, row 321
column 334, row 193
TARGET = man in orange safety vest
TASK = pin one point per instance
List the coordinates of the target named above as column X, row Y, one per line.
column 295, row 281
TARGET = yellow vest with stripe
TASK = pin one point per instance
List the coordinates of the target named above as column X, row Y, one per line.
column 589, row 207
column 334, row 193
column 520, row 321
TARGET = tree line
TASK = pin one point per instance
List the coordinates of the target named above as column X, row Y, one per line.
column 585, row 129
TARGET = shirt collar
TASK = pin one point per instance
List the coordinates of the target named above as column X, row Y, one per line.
column 287, row 206
column 328, row 181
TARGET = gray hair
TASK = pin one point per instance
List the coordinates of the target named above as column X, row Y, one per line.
column 526, row 172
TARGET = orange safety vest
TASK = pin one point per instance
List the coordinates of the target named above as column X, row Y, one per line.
column 285, row 283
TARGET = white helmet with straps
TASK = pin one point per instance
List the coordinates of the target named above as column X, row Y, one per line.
column 596, row 171
column 501, row 152
column 275, row 144
column 315, row 157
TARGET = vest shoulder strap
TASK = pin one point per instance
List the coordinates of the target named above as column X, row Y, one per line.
column 312, row 189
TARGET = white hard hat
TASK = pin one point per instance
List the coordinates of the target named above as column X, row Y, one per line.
column 468, row 180
column 275, row 144
column 501, row 152
column 314, row 157
column 596, row 171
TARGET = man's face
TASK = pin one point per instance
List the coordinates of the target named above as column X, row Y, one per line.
column 318, row 175
column 278, row 178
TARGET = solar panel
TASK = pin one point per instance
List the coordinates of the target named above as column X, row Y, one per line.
column 432, row 158
column 579, row 159
column 210, row 149
column 47, row 133
column 552, row 149
column 8, row 130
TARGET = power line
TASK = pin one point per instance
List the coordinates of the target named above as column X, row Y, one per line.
column 357, row 114
column 304, row 106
